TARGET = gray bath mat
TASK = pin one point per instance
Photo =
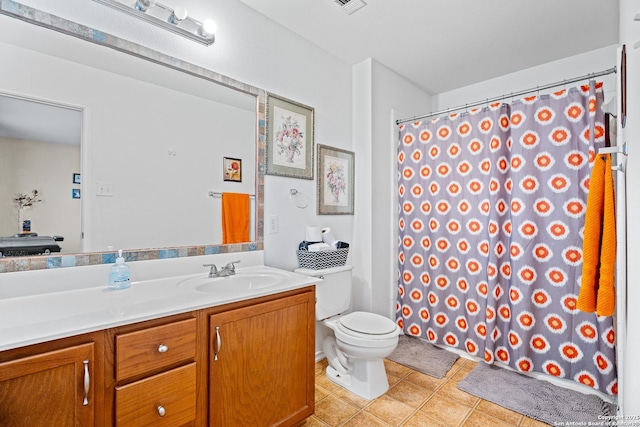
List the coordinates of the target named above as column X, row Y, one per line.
column 423, row 357
column 535, row 398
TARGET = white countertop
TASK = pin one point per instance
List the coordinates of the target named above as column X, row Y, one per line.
column 42, row 317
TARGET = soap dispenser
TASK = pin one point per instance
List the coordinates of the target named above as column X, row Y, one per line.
column 119, row 275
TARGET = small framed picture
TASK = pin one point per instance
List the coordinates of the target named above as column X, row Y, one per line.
column 77, row 178
column 336, row 175
column 290, row 144
column 75, row 193
column 232, row 169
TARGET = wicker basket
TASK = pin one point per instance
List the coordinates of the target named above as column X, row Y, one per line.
column 322, row 259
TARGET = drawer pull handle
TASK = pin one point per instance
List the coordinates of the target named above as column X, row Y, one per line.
column 87, row 383
column 163, row 348
column 161, row 410
column 218, row 344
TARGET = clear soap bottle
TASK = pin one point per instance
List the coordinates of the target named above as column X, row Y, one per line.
column 120, row 274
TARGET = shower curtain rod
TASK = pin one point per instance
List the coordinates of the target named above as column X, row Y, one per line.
column 500, row 98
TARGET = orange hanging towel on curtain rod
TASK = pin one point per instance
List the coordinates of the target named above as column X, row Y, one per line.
column 597, row 292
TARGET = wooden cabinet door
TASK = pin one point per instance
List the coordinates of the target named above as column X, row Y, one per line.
column 262, row 363
column 48, row 389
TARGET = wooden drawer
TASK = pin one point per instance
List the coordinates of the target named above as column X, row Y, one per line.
column 163, row 400
column 154, row 348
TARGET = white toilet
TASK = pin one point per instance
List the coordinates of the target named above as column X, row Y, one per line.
column 355, row 344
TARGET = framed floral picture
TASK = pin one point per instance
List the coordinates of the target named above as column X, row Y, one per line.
column 289, row 148
column 336, row 174
column 232, row 169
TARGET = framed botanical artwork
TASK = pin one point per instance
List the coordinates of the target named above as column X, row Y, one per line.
column 336, row 174
column 289, row 148
column 232, row 169
column 77, row 178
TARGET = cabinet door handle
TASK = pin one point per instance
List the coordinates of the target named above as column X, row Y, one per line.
column 218, row 344
column 161, row 411
column 87, row 383
column 163, row 348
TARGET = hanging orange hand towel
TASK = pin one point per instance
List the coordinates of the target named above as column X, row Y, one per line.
column 606, row 289
column 235, row 218
column 599, row 242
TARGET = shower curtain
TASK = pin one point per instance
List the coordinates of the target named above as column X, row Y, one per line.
column 491, row 215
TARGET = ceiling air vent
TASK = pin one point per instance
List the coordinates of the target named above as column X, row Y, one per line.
column 350, row 6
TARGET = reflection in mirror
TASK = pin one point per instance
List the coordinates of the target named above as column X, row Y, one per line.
column 153, row 141
column 39, row 152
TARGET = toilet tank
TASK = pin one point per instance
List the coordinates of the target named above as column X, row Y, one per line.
column 333, row 293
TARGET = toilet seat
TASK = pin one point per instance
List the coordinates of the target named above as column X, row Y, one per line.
column 377, row 331
column 367, row 324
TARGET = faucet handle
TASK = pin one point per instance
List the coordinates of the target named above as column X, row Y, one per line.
column 231, row 266
column 213, row 270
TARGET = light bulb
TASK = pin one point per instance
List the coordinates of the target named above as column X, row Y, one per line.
column 143, row 5
column 179, row 13
column 208, row 28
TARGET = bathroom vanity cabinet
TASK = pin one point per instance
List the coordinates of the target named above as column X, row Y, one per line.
column 249, row 362
column 50, row 384
column 260, row 370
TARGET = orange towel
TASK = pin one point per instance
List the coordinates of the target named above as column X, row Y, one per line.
column 599, row 245
column 606, row 290
column 235, row 218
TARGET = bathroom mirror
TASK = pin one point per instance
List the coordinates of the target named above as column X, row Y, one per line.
column 155, row 131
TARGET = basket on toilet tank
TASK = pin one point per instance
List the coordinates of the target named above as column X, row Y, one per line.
column 322, row 259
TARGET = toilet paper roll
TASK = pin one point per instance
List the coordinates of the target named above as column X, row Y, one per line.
column 313, row 234
column 327, row 236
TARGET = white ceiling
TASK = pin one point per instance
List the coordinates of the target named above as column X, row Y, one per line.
column 446, row 44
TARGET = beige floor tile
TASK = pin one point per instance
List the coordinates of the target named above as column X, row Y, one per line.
column 445, row 409
column 425, row 381
column 312, row 421
column 393, row 380
column 530, row 422
column 420, row 419
column 321, row 393
column 389, row 410
column 334, row 411
column 409, row 393
column 499, row 412
column 351, row 398
column 396, row 369
column 451, row 390
column 364, row 419
column 326, row 383
column 462, row 373
column 480, row 419
column 321, row 366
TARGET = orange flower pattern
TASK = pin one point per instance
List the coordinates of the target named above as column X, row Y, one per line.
column 491, row 209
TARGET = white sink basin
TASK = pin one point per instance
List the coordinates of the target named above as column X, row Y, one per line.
column 235, row 283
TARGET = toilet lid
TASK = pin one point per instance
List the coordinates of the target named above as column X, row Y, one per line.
column 368, row 323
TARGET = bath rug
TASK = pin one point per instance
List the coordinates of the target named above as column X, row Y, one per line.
column 423, row 356
column 535, row 398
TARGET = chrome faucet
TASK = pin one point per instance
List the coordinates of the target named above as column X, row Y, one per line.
column 227, row 270
column 213, row 272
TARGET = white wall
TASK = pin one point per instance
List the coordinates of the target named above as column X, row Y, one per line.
column 46, row 167
column 380, row 97
column 630, row 34
column 557, row 71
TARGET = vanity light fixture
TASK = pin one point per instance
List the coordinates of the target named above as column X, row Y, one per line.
column 175, row 20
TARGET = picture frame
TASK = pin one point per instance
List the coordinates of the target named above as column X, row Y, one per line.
column 77, row 178
column 336, row 181
column 232, row 169
column 290, row 138
column 75, row 193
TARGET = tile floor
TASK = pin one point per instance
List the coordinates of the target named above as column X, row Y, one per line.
column 413, row 400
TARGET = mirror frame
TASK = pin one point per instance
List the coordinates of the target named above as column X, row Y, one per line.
column 36, row 17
